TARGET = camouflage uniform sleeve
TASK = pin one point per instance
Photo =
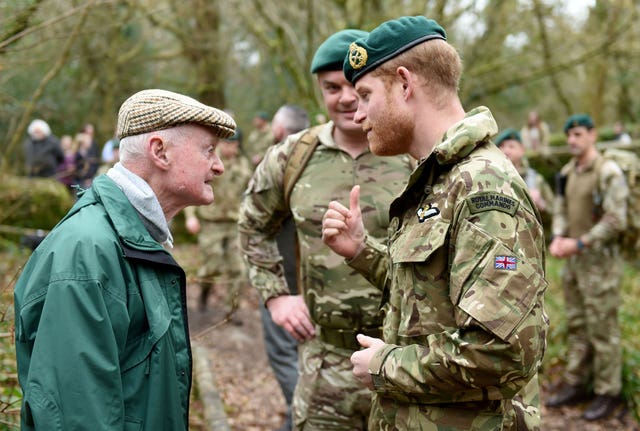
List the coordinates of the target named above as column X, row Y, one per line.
column 498, row 340
column 614, row 205
column 261, row 214
column 372, row 262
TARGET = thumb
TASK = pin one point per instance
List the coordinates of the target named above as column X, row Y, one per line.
column 354, row 198
column 364, row 340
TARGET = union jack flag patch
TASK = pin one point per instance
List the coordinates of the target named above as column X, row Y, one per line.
column 506, row 262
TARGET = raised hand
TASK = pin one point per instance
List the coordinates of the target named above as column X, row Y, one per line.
column 342, row 227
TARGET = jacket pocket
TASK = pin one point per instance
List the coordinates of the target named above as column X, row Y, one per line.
column 132, row 424
column 494, row 285
column 418, row 241
column 419, row 261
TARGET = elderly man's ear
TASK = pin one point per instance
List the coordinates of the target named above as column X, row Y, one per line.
column 158, row 152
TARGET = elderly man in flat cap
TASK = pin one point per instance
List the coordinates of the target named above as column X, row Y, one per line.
column 300, row 176
column 101, row 323
column 463, row 269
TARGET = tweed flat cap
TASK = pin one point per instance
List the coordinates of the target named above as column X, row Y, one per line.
column 387, row 41
column 330, row 54
column 578, row 120
column 154, row 109
column 507, row 134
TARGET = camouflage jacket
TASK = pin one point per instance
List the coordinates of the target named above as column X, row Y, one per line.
column 258, row 141
column 593, row 202
column 463, row 279
column 228, row 189
column 535, row 181
column 337, row 296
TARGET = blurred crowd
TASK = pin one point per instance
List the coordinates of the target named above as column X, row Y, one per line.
column 72, row 160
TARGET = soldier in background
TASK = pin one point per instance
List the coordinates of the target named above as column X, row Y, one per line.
column 334, row 303
column 216, row 227
column 260, row 137
column 589, row 216
column 282, row 348
column 463, row 270
column 510, row 143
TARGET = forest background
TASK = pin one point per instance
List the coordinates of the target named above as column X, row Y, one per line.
column 70, row 62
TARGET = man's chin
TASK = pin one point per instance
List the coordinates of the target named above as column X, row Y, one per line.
column 383, row 150
column 207, row 197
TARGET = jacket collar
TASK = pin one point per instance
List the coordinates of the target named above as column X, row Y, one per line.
column 122, row 215
column 463, row 137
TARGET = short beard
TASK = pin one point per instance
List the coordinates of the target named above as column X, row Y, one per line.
column 393, row 133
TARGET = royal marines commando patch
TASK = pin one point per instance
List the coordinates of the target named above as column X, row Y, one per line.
column 491, row 201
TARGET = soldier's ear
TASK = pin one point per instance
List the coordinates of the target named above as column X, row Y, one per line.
column 408, row 81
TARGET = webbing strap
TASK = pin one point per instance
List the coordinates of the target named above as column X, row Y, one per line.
column 298, row 159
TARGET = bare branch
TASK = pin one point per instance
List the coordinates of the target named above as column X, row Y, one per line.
column 22, row 125
column 27, row 31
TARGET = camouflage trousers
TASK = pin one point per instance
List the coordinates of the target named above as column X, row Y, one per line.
column 327, row 396
column 591, row 283
column 222, row 262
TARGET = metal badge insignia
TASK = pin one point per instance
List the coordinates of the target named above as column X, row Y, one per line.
column 357, row 56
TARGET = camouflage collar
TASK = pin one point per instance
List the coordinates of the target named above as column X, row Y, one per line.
column 477, row 126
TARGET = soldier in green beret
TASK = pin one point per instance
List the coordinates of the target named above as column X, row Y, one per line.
column 510, row 143
column 588, row 218
column 334, row 302
column 462, row 271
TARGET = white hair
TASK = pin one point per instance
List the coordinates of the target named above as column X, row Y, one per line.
column 133, row 147
column 292, row 118
column 38, row 125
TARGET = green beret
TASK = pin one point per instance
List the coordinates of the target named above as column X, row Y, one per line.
column 508, row 134
column 330, row 54
column 387, row 41
column 578, row 120
column 236, row 137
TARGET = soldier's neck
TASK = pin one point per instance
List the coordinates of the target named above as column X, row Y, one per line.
column 352, row 143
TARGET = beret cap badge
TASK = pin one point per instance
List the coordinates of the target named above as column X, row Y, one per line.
column 357, row 56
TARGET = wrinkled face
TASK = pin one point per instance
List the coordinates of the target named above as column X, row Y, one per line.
column 194, row 163
column 340, row 99
column 514, row 150
column 580, row 139
column 388, row 125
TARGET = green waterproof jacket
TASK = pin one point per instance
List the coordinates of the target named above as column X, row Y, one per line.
column 101, row 324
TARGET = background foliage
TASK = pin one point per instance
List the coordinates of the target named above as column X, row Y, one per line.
column 74, row 61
